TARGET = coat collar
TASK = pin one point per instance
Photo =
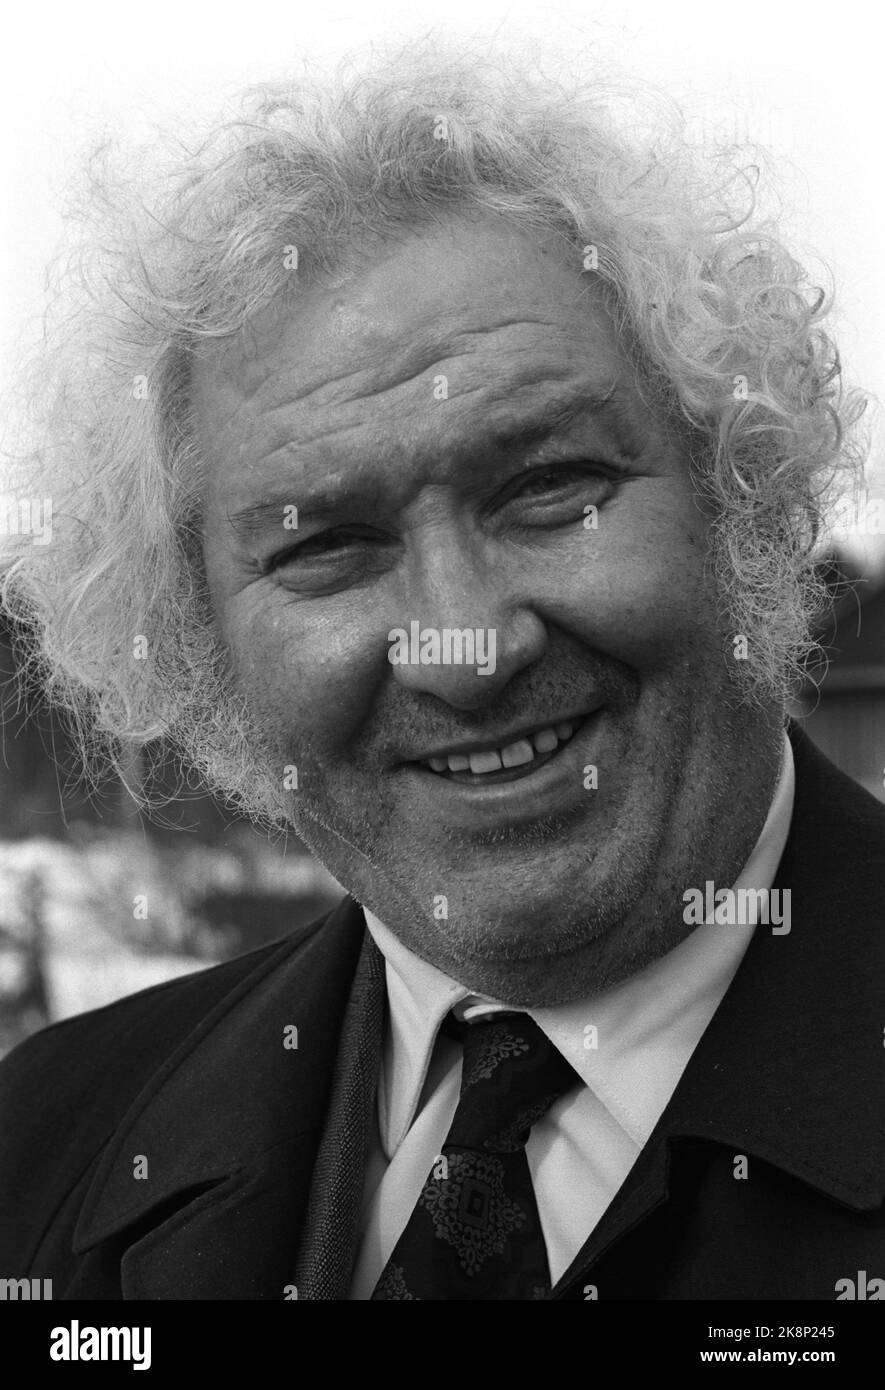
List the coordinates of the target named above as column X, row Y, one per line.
column 229, row 1128
column 791, row 1063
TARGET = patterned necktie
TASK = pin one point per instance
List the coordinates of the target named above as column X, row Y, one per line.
column 475, row 1232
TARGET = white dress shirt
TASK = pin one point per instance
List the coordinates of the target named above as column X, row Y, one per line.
column 579, row 1154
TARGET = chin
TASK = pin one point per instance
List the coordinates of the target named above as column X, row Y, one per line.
column 526, row 956
column 537, row 983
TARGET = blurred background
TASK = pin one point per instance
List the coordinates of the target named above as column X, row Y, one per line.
column 198, row 885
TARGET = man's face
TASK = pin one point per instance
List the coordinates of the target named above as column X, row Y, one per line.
column 445, row 423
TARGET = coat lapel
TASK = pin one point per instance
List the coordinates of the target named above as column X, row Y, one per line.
column 204, row 1186
column 329, row 1243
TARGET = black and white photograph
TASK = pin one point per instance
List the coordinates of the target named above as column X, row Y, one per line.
column 442, row 625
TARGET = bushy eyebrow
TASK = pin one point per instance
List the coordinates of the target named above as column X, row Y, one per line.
column 558, row 414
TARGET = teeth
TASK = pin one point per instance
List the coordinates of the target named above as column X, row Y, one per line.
column 515, row 754
column 457, row 762
column 485, row 762
column 523, row 750
column 545, row 741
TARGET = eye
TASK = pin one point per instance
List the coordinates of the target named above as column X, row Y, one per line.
column 341, row 557
column 555, row 494
column 330, row 544
column 549, row 479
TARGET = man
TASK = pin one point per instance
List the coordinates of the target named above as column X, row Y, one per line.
column 453, row 467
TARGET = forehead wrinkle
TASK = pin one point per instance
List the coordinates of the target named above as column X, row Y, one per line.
column 512, row 381
column 562, row 417
column 386, row 369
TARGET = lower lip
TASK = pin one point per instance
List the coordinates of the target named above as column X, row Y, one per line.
column 552, row 784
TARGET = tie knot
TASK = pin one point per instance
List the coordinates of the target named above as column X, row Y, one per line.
column 511, row 1075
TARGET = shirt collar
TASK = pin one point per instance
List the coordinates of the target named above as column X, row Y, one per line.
column 646, row 1027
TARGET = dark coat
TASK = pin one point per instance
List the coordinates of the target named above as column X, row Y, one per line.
column 255, row 1150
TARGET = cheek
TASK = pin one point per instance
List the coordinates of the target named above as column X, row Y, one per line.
column 311, row 673
column 637, row 588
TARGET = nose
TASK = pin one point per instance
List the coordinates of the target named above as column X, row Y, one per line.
column 466, row 626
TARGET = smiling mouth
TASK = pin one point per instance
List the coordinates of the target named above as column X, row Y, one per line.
column 507, row 763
